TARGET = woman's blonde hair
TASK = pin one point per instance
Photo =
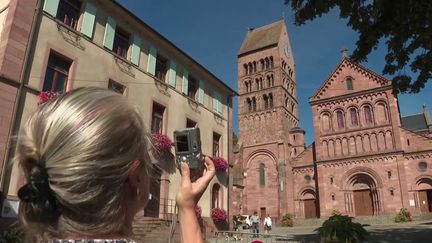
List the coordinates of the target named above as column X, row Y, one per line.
column 80, row 145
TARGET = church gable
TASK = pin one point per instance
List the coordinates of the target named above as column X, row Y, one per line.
column 412, row 141
column 349, row 77
column 305, row 158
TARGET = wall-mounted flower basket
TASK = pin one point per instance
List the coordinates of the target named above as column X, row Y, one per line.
column 220, row 163
column 219, row 214
column 45, row 96
column 162, row 142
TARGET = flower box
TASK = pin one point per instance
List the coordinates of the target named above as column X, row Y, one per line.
column 162, row 142
column 45, row 96
column 218, row 214
column 220, row 164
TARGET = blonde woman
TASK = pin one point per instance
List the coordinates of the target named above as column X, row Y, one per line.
column 85, row 156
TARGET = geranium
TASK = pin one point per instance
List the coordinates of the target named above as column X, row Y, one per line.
column 198, row 211
column 45, row 96
column 219, row 214
column 220, row 163
column 162, row 142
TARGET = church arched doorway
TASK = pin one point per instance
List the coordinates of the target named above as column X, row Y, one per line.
column 424, row 194
column 309, row 203
column 365, row 194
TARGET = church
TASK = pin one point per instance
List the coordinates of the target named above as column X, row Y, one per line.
column 366, row 159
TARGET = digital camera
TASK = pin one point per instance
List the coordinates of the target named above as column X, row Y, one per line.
column 188, row 148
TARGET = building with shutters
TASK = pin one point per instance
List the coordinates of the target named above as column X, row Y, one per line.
column 366, row 159
column 59, row 45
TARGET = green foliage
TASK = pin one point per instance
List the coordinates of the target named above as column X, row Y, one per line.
column 404, row 25
column 336, row 212
column 287, row 220
column 403, row 216
column 341, row 228
column 234, row 139
column 11, row 236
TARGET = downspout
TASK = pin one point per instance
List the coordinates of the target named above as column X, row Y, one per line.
column 230, row 158
column 5, row 177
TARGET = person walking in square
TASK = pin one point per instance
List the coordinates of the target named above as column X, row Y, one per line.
column 255, row 219
column 267, row 224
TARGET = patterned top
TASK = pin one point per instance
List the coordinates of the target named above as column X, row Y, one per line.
column 95, row 241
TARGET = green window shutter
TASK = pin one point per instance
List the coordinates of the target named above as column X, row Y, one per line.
column 151, row 62
column 185, row 83
column 172, row 74
column 201, row 92
column 136, row 50
column 109, row 33
column 51, row 6
column 88, row 20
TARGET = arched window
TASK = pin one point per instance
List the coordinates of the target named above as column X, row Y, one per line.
column 354, row 117
column 381, row 113
column 245, row 69
column 271, row 62
column 262, row 64
column 257, row 84
column 254, row 67
column 272, row 80
column 247, row 86
column 266, row 101
column 368, row 114
column 215, row 203
column 267, row 63
column 250, row 68
column 325, row 122
column 268, row 81
column 349, row 84
column 253, row 104
column 271, row 100
column 262, row 174
column 340, row 119
column 249, row 103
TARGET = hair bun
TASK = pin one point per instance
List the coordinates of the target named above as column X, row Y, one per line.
column 28, row 193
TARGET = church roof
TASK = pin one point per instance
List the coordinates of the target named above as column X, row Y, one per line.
column 415, row 122
column 262, row 37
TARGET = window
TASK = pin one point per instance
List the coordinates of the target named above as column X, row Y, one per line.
column 157, row 118
column 262, row 174
column 368, row 114
column 354, row 118
column 266, row 101
column 331, row 180
column 69, row 12
column 121, row 42
column 56, row 74
column 340, row 119
column 333, row 197
column 161, row 67
column 190, row 123
column 349, row 84
column 215, row 196
column 389, row 174
column 249, row 102
column 216, row 143
column 192, row 87
column 116, row 87
column 271, row 100
column 253, row 104
column 422, row 166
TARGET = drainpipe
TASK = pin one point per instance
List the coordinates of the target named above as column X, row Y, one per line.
column 230, row 158
column 19, row 101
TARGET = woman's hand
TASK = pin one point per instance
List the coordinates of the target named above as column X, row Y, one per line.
column 190, row 192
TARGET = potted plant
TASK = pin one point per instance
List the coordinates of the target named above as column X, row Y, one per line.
column 220, row 163
column 287, row 220
column 341, row 228
column 162, row 142
column 403, row 216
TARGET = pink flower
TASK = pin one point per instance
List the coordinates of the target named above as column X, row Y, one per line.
column 219, row 214
column 162, row 142
column 45, row 96
column 220, row 163
column 198, row 211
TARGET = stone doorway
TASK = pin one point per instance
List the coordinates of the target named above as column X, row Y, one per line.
column 425, row 201
column 308, row 203
column 362, row 197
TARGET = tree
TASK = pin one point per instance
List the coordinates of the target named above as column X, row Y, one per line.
column 404, row 25
column 234, row 139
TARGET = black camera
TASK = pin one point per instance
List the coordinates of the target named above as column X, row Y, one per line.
column 188, row 148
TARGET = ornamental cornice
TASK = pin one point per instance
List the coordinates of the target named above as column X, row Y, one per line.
column 418, row 155
column 358, row 161
column 303, row 170
column 360, row 97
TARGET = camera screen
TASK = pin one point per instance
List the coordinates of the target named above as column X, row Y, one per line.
column 182, row 143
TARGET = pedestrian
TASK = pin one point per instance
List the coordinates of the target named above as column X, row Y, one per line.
column 255, row 219
column 267, row 224
column 85, row 157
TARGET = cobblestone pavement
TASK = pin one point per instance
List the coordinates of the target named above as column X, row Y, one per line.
column 418, row 232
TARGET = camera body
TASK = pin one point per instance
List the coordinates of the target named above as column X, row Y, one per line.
column 188, row 148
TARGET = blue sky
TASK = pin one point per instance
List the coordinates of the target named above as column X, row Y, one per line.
column 212, row 32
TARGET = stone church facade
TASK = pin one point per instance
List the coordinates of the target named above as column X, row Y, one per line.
column 366, row 159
